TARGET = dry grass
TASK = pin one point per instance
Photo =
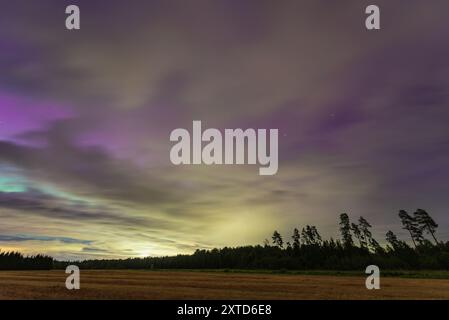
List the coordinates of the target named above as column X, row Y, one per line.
column 201, row 285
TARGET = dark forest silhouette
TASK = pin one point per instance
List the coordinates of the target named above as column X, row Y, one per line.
column 17, row 261
column 304, row 250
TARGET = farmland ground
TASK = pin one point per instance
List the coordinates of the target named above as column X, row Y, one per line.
column 124, row 284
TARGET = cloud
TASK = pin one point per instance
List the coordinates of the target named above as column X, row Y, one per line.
column 85, row 169
column 37, row 203
column 94, row 250
column 21, row 238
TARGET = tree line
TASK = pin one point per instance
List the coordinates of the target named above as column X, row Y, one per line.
column 12, row 260
column 306, row 250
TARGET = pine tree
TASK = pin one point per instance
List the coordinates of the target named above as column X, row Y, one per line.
column 277, row 239
column 355, row 229
column 305, row 237
column 426, row 223
column 367, row 236
column 394, row 242
column 410, row 224
column 316, row 236
column 345, row 230
column 296, row 239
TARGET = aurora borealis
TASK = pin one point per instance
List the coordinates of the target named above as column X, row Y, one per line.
column 85, row 120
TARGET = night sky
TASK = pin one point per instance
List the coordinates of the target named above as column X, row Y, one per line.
column 85, row 120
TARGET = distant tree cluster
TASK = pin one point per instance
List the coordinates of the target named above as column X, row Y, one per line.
column 356, row 249
column 16, row 261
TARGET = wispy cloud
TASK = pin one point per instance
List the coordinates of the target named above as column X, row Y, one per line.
column 24, row 237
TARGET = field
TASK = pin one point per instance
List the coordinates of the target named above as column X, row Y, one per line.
column 211, row 285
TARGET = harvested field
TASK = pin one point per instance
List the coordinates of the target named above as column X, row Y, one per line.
column 125, row 284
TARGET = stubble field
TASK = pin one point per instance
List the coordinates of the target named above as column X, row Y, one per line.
column 125, row 284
